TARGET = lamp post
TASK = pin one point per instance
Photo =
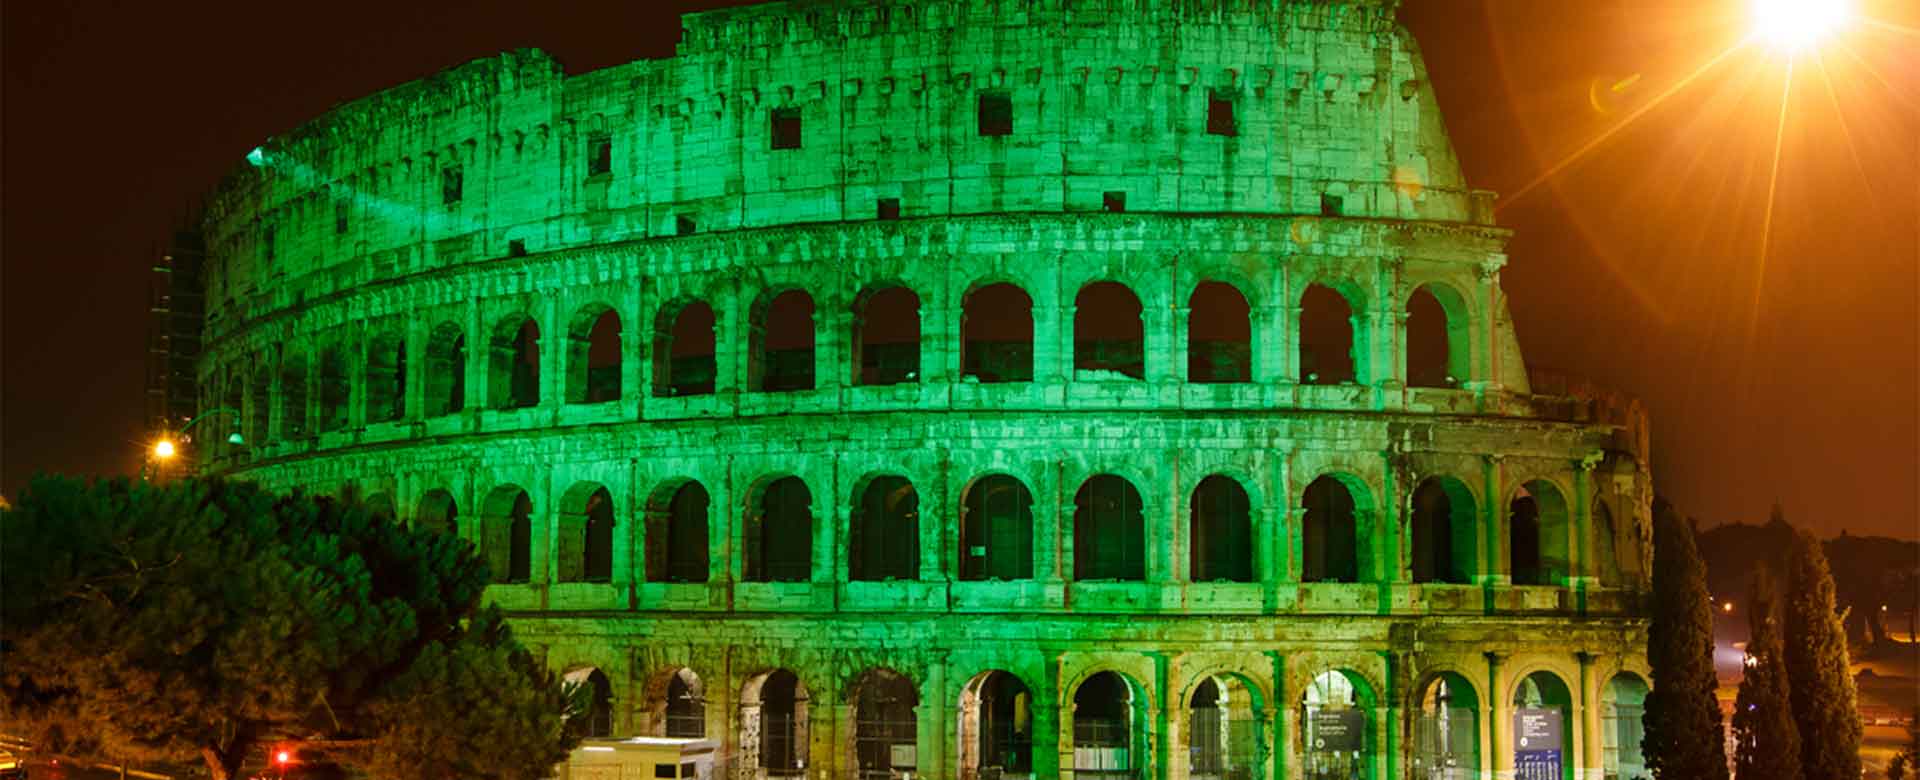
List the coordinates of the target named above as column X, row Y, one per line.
column 168, row 446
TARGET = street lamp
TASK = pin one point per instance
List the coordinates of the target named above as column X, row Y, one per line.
column 167, row 447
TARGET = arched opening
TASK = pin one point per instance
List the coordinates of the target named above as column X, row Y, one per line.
column 1220, row 535
column 1606, row 545
column 683, row 341
column 293, row 396
column 1437, row 338
column 780, row 535
column 885, row 731
column 780, row 354
column 1105, row 743
column 1338, row 739
column 774, row 725
column 1108, row 335
column 884, row 542
column 996, row 728
column 506, row 529
column 1327, row 343
column 335, row 388
column 386, row 378
column 1537, row 538
column 380, row 507
column 586, row 534
column 1223, row 728
column 1622, row 704
column 1109, row 531
column 446, row 389
column 438, row 512
column 1444, row 532
column 593, row 355
column 1446, row 730
column 677, row 534
column 599, row 713
column 259, row 403
column 1219, row 335
column 680, row 709
column 996, row 530
column 886, row 337
column 996, row 334
column 513, row 376
column 1542, row 728
column 1330, row 533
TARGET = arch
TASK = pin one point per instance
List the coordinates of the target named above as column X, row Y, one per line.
column 1109, row 530
column 293, row 396
column 996, row 726
column 599, row 693
column 334, row 388
column 506, row 534
column 683, row 350
column 1537, row 535
column 513, row 367
column 1330, row 532
column 586, row 534
column 1622, row 703
column 1338, row 739
column 1445, row 533
column 677, row 533
column 1108, row 332
column 593, row 355
column 1220, row 531
column 437, row 512
column 380, row 506
column 779, row 533
column 885, row 727
column 678, row 704
column 1446, row 729
column 1219, row 335
column 780, row 339
column 259, row 403
column 1109, row 741
column 386, row 377
column 1225, row 738
column 1329, row 343
column 996, row 529
column 446, row 385
column 996, row 334
column 1538, row 699
column 1439, row 339
column 884, row 540
column 774, row 727
column 1606, row 546
column 886, row 336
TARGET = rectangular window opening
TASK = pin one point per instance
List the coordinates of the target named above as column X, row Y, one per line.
column 889, row 208
column 996, row 114
column 1220, row 119
column 339, row 217
column 683, row 225
column 451, row 185
column 786, row 128
column 1330, row 205
column 599, row 154
column 517, row 247
column 1115, row 202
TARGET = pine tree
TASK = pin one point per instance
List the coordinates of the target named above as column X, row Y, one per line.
column 1820, row 685
column 1683, row 736
column 1766, row 742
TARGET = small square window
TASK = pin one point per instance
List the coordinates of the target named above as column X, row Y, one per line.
column 665, row 770
column 1220, row 120
column 689, row 769
column 1113, row 201
column 683, row 225
column 786, row 128
column 339, row 217
column 1330, row 205
column 599, row 154
column 517, row 247
column 451, row 185
column 996, row 114
column 889, row 208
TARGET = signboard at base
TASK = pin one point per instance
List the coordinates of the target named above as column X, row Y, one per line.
column 1338, row 731
column 1537, row 744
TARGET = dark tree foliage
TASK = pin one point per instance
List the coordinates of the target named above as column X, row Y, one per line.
column 1766, row 742
column 1816, row 654
column 1683, row 737
column 212, row 621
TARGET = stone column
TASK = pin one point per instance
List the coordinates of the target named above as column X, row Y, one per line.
column 1588, row 751
column 1500, row 725
column 1179, row 341
column 832, row 339
column 1493, row 558
column 555, row 342
column 479, row 355
column 1050, row 364
column 356, row 346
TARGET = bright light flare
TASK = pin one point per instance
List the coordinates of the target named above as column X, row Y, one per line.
column 1797, row 25
column 163, row 449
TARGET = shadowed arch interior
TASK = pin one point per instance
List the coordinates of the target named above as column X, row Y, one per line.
column 1444, row 532
column 438, row 512
column 1220, row 531
column 780, row 352
column 779, row 534
column 996, row 334
column 586, row 524
column 1105, row 741
column 1224, row 734
column 884, row 541
column 996, row 727
column 1108, row 334
column 1327, row 341
column 884, row 722
column 1537, row 535
column 1109, row 531
column 593, row 355
column 386, row 389
column 774, row 723
column 996, row 530
column 1330, row 533
column 1446, row 729
column 446, row 386
column 886, row 337
column 334, row 387
column 1219, row 335
column 683, row 350
column 506, row 534
column 1438, row 340
column 293, row 396
column 677, row 544
column 513, row 368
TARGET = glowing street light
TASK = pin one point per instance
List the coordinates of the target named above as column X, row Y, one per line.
column 163, row 449
column 1796, row 25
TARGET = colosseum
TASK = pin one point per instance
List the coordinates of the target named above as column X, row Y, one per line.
column 966, row 389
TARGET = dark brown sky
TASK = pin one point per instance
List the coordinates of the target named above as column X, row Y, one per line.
column 1638, row 265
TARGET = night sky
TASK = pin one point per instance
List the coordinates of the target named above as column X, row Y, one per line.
column 1638, row 265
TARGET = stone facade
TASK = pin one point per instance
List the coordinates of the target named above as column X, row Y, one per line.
column 1092, row 389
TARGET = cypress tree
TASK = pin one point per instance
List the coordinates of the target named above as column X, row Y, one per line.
column 1820, row 685
column 1766, row 743
column 1683, row 738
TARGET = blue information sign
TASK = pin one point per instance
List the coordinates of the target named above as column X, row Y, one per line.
column 1536, row 744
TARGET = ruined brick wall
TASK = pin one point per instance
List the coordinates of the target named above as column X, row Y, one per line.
column 351, row 261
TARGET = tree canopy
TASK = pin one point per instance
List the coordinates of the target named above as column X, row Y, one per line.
column 1821, row 686
column 210, row 621
column 1766, row 741
column 1682, row 717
